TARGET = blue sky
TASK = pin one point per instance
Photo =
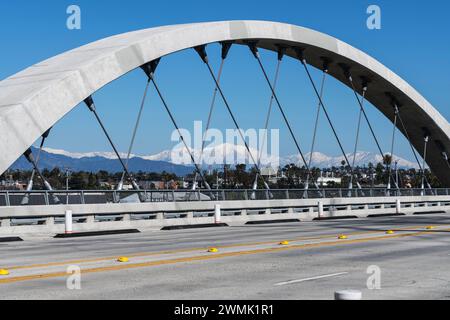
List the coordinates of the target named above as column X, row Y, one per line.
column 414, row 42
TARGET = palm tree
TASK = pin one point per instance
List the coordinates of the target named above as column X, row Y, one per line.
column 387, row 159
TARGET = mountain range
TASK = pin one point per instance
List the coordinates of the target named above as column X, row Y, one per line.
column 178, row 162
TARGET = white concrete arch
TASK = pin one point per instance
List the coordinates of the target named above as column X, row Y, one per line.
column 34, row 99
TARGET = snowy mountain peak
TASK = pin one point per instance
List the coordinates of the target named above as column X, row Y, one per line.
column 235, row 154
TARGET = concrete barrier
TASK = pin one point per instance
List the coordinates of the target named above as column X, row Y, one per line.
column 91, row 217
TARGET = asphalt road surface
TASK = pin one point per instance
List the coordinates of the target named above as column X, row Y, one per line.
column 411, row 263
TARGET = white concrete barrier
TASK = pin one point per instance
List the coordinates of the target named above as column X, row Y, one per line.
column 15, row 220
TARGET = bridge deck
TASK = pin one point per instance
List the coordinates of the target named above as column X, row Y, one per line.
column 249, row 265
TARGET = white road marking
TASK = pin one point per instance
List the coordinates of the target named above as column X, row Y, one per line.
column 310, row 279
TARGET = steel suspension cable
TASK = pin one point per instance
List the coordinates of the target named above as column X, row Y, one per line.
column 422, row 186
column 266, row 124
column 389, row 163
column 357, row 138
column 26, row 197
column 33, row 173
column 316, row 124
column 411, row 146
column 256, row 55
column 197, row 168
column 201, row 50
column 363, row 110
column 29, row 156
column 133, row 137
column 208, row 123
column 303, row 61
column 89, row 101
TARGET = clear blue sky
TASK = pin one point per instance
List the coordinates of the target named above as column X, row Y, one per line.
column 414, row 42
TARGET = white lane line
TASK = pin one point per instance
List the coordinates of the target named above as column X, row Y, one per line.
column 310, row 279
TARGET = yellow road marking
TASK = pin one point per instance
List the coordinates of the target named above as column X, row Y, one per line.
column 211, row 257
column 163, row 252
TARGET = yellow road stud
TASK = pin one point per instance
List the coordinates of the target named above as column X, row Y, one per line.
column 284, row 243
column 4, row 272
column 123, row 259
column 429, row 228
column 342, row 237
column 213, row 250
column 390, row 232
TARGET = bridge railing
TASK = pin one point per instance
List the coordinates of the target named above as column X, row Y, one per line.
column 35, row 198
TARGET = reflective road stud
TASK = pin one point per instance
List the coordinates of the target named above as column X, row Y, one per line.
column 429, row 228
column 389, row 232
column 123, row 259
column 213, row 250
column 284, row 243
column 4, row 272
column 342, row 237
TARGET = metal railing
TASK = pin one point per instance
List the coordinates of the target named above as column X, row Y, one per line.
column 36, row 198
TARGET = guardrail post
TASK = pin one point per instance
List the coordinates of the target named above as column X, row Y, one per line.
column 398, row 206
column 287, row 194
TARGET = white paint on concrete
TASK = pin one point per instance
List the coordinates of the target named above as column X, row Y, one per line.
column 311, row 278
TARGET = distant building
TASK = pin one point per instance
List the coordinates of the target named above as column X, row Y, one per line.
column 326, row 181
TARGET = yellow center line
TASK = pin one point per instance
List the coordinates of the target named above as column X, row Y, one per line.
column 166, row 252
column 212, row 257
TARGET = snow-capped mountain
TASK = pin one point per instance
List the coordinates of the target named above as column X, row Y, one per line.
column 216, row 155
column 362, row 158
column 79, row 155
column 235, row 154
